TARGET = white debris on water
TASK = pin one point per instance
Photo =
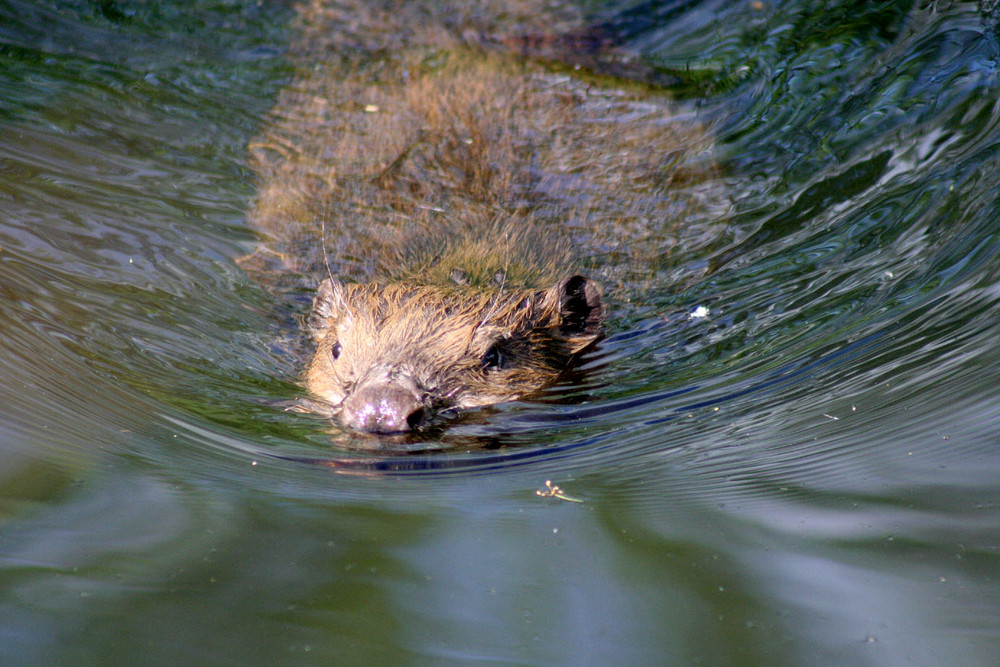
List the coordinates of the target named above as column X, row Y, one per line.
column 699, row 312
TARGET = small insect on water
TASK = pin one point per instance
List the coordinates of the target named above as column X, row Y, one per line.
column 553, row 491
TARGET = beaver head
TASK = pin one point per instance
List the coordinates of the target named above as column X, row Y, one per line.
column 390, row 357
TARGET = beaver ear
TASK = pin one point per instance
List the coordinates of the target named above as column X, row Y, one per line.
column 577, row 302
column 329, row 301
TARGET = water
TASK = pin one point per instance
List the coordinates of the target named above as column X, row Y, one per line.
column 805, row 475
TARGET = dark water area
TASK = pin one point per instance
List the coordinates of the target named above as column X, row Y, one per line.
column 787, row 448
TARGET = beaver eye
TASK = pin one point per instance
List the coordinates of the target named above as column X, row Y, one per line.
column 493, row 358
column 335, row 350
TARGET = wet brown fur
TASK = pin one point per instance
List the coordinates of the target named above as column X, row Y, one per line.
column 454, row 184
column 438, row 337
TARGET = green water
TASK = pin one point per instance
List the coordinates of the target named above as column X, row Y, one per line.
column 808, row 475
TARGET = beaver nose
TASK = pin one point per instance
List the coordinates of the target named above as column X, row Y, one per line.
column 382, row 407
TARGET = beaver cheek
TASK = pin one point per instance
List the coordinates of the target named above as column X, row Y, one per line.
column 383, row 407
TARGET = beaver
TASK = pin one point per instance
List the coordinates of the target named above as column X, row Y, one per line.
column 437, row 187
column 392, row 354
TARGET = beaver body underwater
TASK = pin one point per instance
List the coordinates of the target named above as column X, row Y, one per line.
column 438, row 192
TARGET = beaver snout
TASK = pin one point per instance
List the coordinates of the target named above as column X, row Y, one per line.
column 383, row 407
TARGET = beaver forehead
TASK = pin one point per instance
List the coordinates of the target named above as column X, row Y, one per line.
column 423, row 331
column 434, row 307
